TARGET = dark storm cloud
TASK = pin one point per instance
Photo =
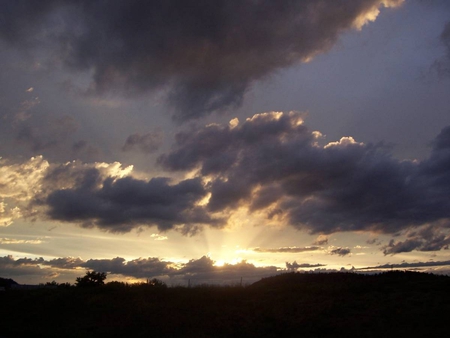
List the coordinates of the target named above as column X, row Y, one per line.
column 207, row 53
column 288, row 249
column 119, row 205
column 147, row 143
column 274, row 164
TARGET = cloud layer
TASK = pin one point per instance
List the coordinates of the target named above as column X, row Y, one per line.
column 273, row 163
column 123, row 204
column 197, row 271
column 204, row 54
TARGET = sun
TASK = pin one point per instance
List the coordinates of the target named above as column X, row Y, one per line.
column 219, row 262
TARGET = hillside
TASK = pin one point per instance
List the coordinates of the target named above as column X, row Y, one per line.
column 7, row 282
column 289, row 305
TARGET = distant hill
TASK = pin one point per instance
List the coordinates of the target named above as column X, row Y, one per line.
column 347, row 280
column 7, row 282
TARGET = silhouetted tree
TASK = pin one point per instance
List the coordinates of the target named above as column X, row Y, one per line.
column 156, row 283
column 92, row 278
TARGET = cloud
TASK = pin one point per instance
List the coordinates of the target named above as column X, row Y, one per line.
column 340, row 251
column 205, row 54
column 158, row 237
column 43, row 133
column 409, row 265
column 139, row 268
column 8, row 215
column 120, row 205
column 373, row 241
column 321, row 240
column 84, row 151
column 442, row 65
column 147, row 143
column 294, row 265
column 103, row 195
column 427, row 238
column 288, row 249
column 272, row 163
column 21, row 181
column 19, row 184
column 6, row 241
column 199, row 271
column 203, row 270
column 21, row 267
column 64, row 263
column 72, row 174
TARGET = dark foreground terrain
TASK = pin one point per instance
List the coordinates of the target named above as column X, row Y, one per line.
column 393, row 304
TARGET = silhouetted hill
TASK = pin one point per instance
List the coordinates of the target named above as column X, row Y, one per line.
column 7, row 282
column 345, row 280
column 393, row 304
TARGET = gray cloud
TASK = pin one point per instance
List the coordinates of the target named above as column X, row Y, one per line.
column 84, row 151
column 206, row 53
column 445, row 37
column 340, row 251
column 139, row 268
column 273, row 163
column 64, row 262
column 119, row 205
column 321, row 240
column 40, row 134
column 409, row 265
column 147, row 143
column 202, row 270
column 21, row 267
column 288, row 249
column 442, row 65
column 428, row 238
column 199, row 271
column 373, row 241
column 294, row 265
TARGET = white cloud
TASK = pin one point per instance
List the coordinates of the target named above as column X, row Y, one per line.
column 158, row 237
column 7, row 216
column 22, row 181
column 373, row 11
column 5, row 240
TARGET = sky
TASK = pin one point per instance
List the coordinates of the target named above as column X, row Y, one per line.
column 209, row 141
